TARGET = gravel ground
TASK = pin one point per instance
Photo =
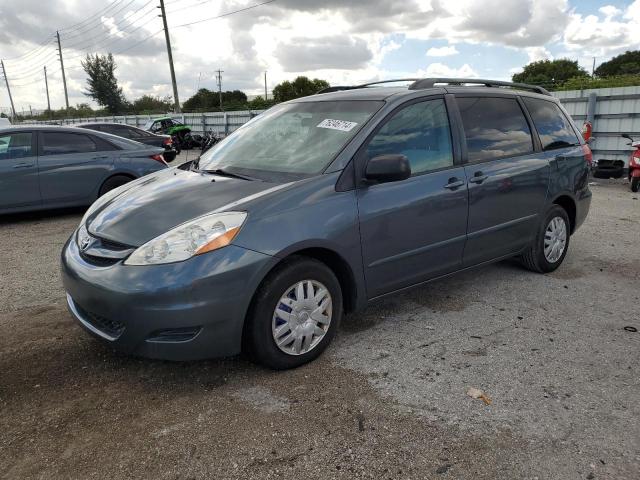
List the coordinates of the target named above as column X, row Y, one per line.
column 387, row 400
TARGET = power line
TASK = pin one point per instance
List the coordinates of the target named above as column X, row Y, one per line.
column 100, row 12
column 100, row 22
column 96, row 45
column 225, row 14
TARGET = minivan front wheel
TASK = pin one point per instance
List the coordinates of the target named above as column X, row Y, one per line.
column 550, row 245
column 294, row 315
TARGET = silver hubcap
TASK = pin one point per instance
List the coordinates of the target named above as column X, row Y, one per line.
column 555, row 239
column 302, row 317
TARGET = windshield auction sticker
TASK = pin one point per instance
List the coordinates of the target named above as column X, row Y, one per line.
column 341, row 125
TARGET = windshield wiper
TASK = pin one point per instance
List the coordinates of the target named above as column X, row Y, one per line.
column 226, row 173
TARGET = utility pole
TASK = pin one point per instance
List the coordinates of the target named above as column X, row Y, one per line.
column 64, row 79
column 6, row 81
column 219, row 80
column 593, row 68
column 46, row 86
column 265, row 85
column 170, row 55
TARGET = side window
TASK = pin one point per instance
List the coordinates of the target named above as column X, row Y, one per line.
column 420, row 132
column 122, row 132
column 15, row 145
column 59, row 143
column 553, row 127
column 494, row 127
column 134, row 133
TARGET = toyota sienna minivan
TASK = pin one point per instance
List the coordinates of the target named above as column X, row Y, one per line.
column 320, row 205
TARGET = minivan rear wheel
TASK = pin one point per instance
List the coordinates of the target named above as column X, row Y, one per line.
column 294, row 315
column 549, row 247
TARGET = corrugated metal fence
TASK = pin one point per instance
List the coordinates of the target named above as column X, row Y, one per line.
column 222, row 123
column 617, row 111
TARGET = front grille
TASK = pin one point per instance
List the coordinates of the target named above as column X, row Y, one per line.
column 99, row 261
column 113, row 328
column 104, row 253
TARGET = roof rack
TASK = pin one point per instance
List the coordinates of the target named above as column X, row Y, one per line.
column 364, row 85
column 431, row 82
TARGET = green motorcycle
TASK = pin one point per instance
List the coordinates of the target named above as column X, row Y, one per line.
column 181, row 133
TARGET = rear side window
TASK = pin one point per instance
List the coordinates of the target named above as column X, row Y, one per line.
column 421, row 133
column 553, row 127
column 494, row 128
column 59, row 143
column 15, row 145
column 121, row 132
column 134, row 133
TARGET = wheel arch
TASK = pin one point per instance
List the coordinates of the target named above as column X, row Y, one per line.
column 111, row 175
column 567, row 202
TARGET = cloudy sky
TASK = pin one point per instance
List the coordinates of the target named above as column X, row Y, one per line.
column 345, row 42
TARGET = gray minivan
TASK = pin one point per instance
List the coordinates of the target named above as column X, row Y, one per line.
column 320, row 205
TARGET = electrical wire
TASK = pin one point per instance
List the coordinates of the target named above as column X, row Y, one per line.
column 224, row 14
column 98, row 39
column 100, row 21
column 90, row 18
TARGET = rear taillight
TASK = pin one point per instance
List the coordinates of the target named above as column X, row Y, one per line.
column 588, row 154
column 168, row 141
column 158, row 158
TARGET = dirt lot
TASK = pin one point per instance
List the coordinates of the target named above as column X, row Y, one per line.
column 387, row 400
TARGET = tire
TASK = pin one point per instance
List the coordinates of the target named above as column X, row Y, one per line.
column 113, row 182
column 635, row 184
column 263, row 322
column 534, row 258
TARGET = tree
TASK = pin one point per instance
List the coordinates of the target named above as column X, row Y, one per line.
column 208, row 100
column 300, row 87
column 102, row 82
column 150, row 104
column 259, row 103
column 550, row 73
column 623, row 64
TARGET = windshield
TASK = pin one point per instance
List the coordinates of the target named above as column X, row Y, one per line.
column 296, row 138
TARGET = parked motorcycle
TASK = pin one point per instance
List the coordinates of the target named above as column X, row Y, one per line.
column 634, row 163
column 209, row 140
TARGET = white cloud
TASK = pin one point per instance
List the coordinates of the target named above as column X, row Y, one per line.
column 604, row 35
column 538, row 53
column 442, row 70
column 609, row 11
column 442, row 51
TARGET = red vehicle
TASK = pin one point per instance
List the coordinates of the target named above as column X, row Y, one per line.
column 634, row 164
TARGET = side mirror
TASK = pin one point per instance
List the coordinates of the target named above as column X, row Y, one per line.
column 388, row 168
column 627, row 136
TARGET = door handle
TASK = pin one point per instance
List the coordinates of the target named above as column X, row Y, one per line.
column 454, row 183
column 100, row 157
column 23, row 165
column 478, row 177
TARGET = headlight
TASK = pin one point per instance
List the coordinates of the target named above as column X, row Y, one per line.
column 195, row 237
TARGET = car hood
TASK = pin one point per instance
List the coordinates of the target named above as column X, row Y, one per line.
column 156, row 203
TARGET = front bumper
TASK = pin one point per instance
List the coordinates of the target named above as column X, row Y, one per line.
column 184, row 311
